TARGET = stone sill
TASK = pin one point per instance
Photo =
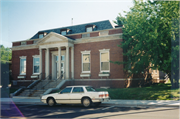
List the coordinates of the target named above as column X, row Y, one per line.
column 21, row 77
column 85, row 75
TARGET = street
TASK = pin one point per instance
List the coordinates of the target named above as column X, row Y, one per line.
column 80, row 112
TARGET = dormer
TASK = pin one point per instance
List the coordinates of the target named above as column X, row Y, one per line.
column 90, row 27
column 65, row 31
column 41, row 34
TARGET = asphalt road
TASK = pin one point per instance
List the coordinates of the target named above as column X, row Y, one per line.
column 80, row 112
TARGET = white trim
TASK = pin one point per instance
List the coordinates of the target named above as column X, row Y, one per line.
column 85, row 75
column 36, row 56
column 34, row 76
column 22, row 57
column 21, row 77
column 104, row 75
column 86, row 52
column 82, row 53
column 104, row 51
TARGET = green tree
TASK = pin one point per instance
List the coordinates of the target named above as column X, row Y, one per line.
column 147, row 34
column 6, row 54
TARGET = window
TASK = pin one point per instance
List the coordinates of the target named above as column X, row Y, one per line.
column 63, row 33
column 86, row 61
column 66, row 90
column 77, row 90
column 35, row 64
column 104, row 61
column 62, row 58
column 41, row 35
column 90, row 89
column 89, row 29
column 23, row 43
column 23, row 65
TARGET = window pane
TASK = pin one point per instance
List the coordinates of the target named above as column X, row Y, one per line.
column 41, row 35
column 78, row 90
column 89, row 29
column 105, row 57
column 104, row 65
column 22, row 66
column 86, row 66
column 90, row 89
column 62, row 57
column 63, row 32
column 86, row 58
column 66, row 90
column 36, row 61
column 56, row 58
column 36, row 69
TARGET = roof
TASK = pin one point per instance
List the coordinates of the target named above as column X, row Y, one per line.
column 100, row 25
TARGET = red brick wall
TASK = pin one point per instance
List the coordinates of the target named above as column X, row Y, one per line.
column 115, row 31
column 116, row 71
column 75, row 36
column 94, row 34
column 29, row 61
column 17, row 44
column 29, row 42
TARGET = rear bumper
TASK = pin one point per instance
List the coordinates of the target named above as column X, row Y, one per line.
column 101, row 100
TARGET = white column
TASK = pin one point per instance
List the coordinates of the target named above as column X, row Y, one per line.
column 40, row 63
column 59, row 61
column 53, row 67
column 67, row 62
column 47, row 62
column 72, row 62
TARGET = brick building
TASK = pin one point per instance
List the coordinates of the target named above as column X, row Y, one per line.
column 79, row 54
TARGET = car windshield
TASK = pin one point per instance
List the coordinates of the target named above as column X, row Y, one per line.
column 90, row 89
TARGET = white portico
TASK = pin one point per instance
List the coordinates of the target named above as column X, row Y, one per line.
column 57, row 50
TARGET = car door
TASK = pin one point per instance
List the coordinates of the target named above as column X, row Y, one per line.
column 76, row 95
column 64, row 96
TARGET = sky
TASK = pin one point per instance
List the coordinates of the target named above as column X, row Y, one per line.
column 21, row 19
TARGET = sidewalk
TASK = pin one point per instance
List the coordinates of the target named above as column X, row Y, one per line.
column 119, row 103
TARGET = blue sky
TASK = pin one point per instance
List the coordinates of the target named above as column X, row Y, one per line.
column 21, row 19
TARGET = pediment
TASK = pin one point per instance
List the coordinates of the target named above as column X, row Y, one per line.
column 53, row 38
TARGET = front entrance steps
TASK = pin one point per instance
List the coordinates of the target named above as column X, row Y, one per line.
column 40, row 87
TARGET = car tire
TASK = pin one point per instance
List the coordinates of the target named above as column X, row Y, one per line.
column 86, row 102
column 51, row 102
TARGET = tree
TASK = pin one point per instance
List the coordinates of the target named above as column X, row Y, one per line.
column 147, row 34
column 6, row 54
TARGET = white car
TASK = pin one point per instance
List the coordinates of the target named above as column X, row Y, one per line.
column 85, row 95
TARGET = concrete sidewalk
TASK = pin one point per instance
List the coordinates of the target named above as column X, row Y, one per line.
column 120, row 103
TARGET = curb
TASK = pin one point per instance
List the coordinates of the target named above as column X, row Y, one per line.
column 136, row 105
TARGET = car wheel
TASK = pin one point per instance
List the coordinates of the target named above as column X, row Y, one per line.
column 86, row 102
column 51, row 102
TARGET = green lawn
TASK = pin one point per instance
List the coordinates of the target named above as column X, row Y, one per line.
column 154, row 92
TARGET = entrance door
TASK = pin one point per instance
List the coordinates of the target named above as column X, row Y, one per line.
column 57, row 67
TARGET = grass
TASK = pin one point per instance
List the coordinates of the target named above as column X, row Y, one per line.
column 153, row 92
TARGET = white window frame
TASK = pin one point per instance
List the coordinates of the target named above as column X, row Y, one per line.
column 36, row 56
column 22, row 57
column 104, row 51
column 83, row 53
